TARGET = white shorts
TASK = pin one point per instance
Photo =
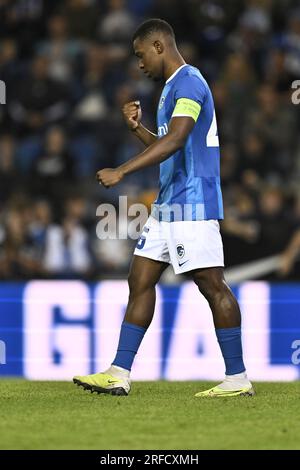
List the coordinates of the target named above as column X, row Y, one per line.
column 187, row 245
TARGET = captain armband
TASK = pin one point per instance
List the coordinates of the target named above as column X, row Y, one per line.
column 187, row 107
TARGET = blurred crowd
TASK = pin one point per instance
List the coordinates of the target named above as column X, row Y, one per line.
column 68, row 67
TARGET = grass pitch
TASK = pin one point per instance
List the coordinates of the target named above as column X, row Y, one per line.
column 156, row 415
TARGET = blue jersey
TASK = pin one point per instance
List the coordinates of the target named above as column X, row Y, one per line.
column 189, row 183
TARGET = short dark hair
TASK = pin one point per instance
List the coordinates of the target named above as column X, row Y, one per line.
column 153, row 25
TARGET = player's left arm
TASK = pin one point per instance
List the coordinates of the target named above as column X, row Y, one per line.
column 179, row 129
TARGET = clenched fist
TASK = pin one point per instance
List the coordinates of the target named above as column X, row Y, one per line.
column 109, row 176
column 132, row 114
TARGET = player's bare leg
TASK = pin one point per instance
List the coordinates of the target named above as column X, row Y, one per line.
column 227, row 321
column 223, row 304
column 143, row 277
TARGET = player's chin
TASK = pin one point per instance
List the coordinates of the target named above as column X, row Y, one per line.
column 153, row 76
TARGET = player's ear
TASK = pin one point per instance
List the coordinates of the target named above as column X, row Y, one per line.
column 158, row 47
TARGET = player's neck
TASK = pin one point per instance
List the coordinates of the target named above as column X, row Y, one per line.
column 172, row 66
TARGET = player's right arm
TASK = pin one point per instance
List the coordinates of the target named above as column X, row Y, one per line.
column 132, row 113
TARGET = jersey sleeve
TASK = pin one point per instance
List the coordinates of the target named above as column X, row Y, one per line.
column 189, row 97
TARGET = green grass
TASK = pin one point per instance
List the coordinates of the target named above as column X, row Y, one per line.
column 156, row 415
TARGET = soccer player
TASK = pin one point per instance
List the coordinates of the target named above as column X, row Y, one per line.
column 183, row 228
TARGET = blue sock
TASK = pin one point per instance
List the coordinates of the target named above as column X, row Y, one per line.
column 230, row 342
column 130, row 339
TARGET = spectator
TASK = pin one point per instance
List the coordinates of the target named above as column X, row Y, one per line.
column 40, row 224
column 289, row 261
column 8, row 172
column 39, row 100
column 18, row 255
column 117, row 24
column 275, row 224
column 60, row 49
column 275, row 124
column 66, row 250
column 82, row 16
column 93, row 104
column 53, row 169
